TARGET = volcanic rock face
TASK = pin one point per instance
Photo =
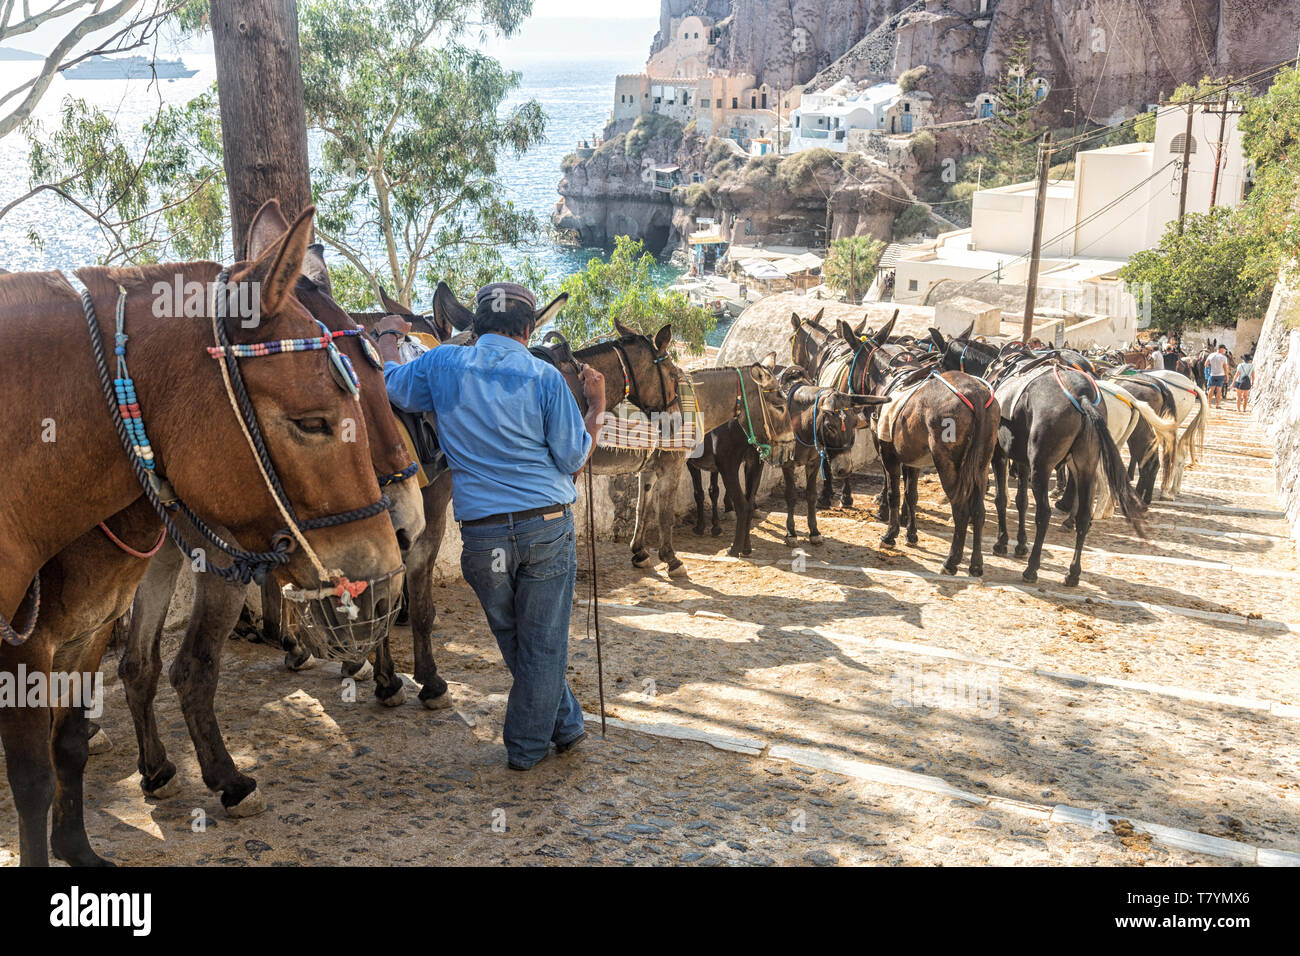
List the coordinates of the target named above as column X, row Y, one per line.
column 1119, row 56
column 609, row 194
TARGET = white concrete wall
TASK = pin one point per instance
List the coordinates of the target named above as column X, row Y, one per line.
column 1277, row 393
column 1101, row 176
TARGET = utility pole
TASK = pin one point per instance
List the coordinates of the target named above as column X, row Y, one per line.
column 1224, row 112
column 853, row 270
column 1187, row 162
column 779, row 93
column 1040, row 210
column 263, row 120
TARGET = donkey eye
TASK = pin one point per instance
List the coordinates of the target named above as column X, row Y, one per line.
column 312, row 426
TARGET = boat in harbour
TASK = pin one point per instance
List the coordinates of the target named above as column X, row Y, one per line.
column 127, row 68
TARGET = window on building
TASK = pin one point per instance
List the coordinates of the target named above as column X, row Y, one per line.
column 697, row 36
column 704, row 103
column 753, row 102
column 1179, row 143
column 911, row 285
column 986, row 109
column 735, row 103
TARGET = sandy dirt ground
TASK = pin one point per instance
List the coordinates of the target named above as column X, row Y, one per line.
column 833, row 704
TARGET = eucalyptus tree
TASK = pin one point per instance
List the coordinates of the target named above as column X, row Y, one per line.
column 413, row 127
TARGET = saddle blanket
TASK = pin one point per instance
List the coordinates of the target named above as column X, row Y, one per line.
column 627, row 428
column 1010, row 390
column 888, row 414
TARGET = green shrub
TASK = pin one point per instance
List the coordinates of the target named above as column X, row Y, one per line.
column 924, row 148
column 912, row 220
column 649, row 127
column 799, row 169
column 911, row 80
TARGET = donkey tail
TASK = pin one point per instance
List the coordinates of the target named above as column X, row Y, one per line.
column 1165, row 429
column 972, row 474
column 1130, row 505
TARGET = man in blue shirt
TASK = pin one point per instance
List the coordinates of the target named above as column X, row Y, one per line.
column 514, row 439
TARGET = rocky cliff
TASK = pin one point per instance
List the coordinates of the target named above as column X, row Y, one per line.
column 1118, row 56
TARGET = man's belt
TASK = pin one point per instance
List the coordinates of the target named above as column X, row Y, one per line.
column 514, row 517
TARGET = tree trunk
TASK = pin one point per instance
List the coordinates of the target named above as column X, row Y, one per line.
column 263, row 120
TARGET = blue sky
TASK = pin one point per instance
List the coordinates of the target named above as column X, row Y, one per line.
column 597, row 9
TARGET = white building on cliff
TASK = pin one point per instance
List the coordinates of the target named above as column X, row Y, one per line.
column 1121, row 201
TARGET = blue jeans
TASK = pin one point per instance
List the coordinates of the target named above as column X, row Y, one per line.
column 524, row 575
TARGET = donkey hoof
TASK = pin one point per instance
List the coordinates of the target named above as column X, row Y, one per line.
column 299, row 662
column 1068, row 524
column 100, row 743
column 698, row 530
column 792, row 539
column 846, row 501
column 1029, row 577
column 816, row 539
column 365, row 672
column 977, row 570
column 1071, row 580
column 716, row 530
column 948, row 569
column 441, row 702
column 1021, row 550
column 1000, row 548
column 642, row 561
column 250, row 806
column 889, row 540
column 395, row 699
column 162, row 791
column 678, row 569
column 913, row 538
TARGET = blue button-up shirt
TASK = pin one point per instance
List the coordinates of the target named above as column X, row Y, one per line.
column 510, row 427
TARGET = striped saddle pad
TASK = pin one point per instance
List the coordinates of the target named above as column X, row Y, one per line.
column 628, row 428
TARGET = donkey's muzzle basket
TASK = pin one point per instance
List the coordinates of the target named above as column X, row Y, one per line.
column 338, row 627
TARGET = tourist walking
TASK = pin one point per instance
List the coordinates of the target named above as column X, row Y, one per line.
column 1216, row 374
column 1242, row 381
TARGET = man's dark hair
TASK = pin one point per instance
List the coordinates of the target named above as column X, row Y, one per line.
column 510, row 318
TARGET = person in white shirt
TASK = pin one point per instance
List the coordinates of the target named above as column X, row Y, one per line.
column 1156, row 359
column 1216, row 374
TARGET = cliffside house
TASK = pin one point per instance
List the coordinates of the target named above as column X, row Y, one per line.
column 731, row 106
column 1121, row 201
column 826, row 117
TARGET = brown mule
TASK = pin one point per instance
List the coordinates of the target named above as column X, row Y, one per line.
column 92, row 577
column 216, row 606
column 945, row 420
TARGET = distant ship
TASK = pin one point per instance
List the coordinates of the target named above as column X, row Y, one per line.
column 125, row 68
column 10, row 53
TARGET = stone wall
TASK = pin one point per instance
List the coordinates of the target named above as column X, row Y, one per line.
column 1277, row 392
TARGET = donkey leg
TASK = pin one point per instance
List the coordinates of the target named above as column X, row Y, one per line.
column 911, row 482
column 670, row 469
column 960, row 514
column 824, row 497
column 1000, row 499
column 753, row 475
column 975, row 510
column 647, row 493
column 1022, row 510
column 846, row 492
column 697, row 488
column 71, row 748
column 194, row 675
column 810, row 493
column 1042, row 518
column 1083, row 521
column 141, row 665
column 296, row 655
column 25, row 733
column 893, row 486
column 390, row 689
column 736, row 492
column 714, row 478
column 420, row 564
column 787, row 477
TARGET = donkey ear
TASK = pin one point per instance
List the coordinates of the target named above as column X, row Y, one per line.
column 664, row 338
column 266, row 229
column 278, row 268
column 862, row 326
column 846, row 333
column 623, row 330
column 817, row 319
column 864, row 401
column 768, row 361
column 937, row 338
column 315, row 269
column 449, row 311
column 795, row 321
column 883, row 335
column 965, row 336
column 549, row 313
column 391, row 305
